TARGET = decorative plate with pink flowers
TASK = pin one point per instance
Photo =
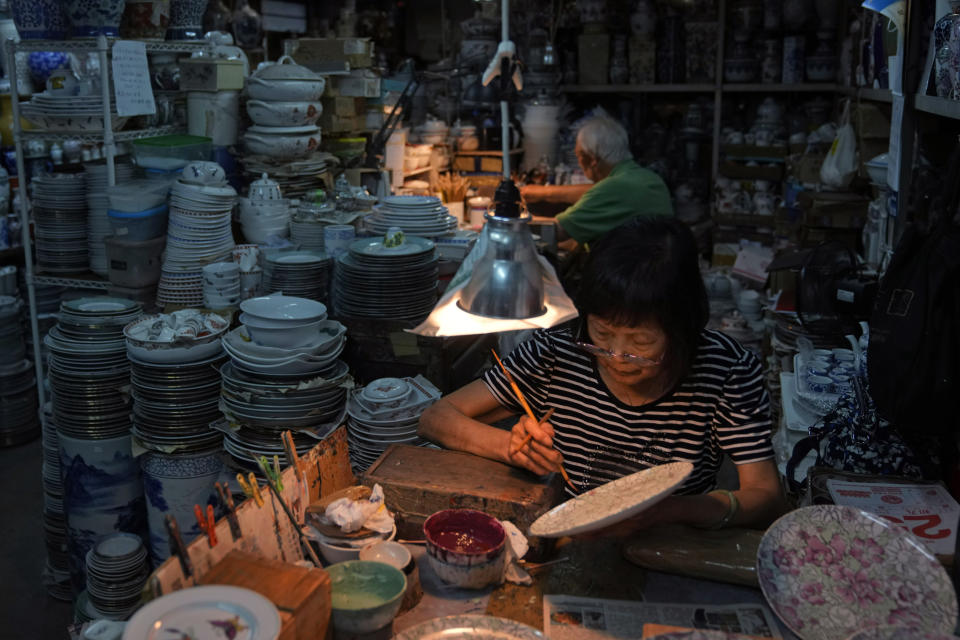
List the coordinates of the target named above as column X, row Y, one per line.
column 829, row 571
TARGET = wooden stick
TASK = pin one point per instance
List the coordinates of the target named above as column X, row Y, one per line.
column 516, row 389
column 529, row 437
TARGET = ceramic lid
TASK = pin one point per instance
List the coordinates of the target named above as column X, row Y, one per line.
column 264, row 184
column 286, row 69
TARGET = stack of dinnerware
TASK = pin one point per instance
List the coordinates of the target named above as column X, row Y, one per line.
column 54, row 520
column 60, row 112
column 307, row 234
column 305, row 274
column 60, row 213
column 315, row 357
column 98, row 224
column 375, row 281
column 282, row 321
column 221, row 285
column 264, row 213
column 198, row 233
column 12, row 346
column 88, row 372
column 297, row 178
column 18, row 404
column 385, row 412
column 416, row 215
column 117, row 569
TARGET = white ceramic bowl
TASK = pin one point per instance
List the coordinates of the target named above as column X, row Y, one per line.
column 280, row 311
column 282, row 337
column 282, row 142
column 284, row 114
column 330, row 334
column 388, row 552
column 341, row 553
column 366, row 596
column 172, row 352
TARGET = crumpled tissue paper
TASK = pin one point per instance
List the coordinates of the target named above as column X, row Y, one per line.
column 352, row 515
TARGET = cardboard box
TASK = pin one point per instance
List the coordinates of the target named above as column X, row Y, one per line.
column 314, row 52
column 594, row 58
column 805, row 167
column 332, row 123
column 204, row 74
column 344, row 106
column 361, row 83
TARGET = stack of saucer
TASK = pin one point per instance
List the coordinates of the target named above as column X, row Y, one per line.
column 98, row 224
column 221, row 285
column 60, row 212
column 417, row 215
column 305, row 274
column 117, row 569
column 383, row 413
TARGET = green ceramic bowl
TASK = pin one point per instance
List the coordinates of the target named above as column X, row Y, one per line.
column 366, row 595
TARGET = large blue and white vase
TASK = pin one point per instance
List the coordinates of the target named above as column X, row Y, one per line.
column 186, row 19
column 92, row 18
column 173, row 484
column 39, row 19
column 102, row 494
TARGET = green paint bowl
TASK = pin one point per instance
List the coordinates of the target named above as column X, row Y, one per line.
column 366, row 595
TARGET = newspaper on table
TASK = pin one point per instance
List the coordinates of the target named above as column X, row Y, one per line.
column 927, row 511
column 577, row 618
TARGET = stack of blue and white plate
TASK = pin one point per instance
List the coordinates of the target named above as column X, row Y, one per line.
column 416, row 215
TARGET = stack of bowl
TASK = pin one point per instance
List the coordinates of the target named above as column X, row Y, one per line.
column 117, row 569
column 337, row 547
column 466, row 548
column 305, row 274
column 18, row 386
column 264, row 212
column 284, row 103
column 221, row 285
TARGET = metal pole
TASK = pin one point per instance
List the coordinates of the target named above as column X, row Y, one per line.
column 11, row 45
column 109, row 147
column 504, row 107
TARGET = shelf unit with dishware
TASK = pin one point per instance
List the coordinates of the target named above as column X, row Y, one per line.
column 107, row 136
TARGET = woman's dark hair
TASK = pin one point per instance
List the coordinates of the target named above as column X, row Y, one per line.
column 647, row 269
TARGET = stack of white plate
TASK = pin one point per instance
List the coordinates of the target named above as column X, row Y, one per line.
column 308, row 234
column 305, row 274
column 69, row 113
column 375, row 281
column 60, row 212
column 383, row 413
column 416, row 215
column 98, row 224
column 198, row 232
column 117, row 569
column 18, row 404
column 297, row 178
column 221, row 285
column 313, row 358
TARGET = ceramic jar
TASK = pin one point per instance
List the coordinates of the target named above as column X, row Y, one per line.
column 772, row 14
column 173, row 484
column 102, row 493
column 947, row 48
column 643, row 20
column 794, row 14
column 145, row 19
column 594, row 11
column 264, row 189
column 285, row 81
column 771, row 62
column 247, row 26
column 794, row 50
column 91, row 18
column 619, row 69
column 42, row 63
column 216, row 17
column 769, row 111
column 186, row 19
column 39, row 19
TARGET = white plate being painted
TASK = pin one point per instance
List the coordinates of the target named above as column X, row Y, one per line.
column 899, row 633
column 828, row 571
column 612, row 502
column 470, row 628
column 206, row 613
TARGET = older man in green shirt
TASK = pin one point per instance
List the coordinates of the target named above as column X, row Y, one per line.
column 622, row 189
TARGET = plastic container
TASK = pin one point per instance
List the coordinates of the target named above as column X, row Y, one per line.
column 134, row 196
column 171, row 152
column 135, row 264
column 139, row 226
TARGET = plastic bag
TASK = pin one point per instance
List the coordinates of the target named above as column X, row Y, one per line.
column 840, row 165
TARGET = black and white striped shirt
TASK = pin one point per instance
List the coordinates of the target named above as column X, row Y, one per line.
column 720, row 407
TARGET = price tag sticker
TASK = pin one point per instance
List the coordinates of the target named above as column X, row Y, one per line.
column 131, row 79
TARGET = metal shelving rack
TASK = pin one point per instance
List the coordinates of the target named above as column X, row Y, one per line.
column 108, row 137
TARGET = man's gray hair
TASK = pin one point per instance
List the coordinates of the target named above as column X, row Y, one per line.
column 603, row 137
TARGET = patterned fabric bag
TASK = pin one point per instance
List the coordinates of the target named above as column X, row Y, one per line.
column 853, row 438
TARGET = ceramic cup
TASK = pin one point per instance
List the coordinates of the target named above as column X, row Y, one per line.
column 337, row 238
column 844, row 355
column 823, row 354
column 820, row 384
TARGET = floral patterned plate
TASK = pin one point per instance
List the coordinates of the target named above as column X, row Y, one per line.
column 700, row 634
column 612, row 502
column 206, row 613
column 899, row 633
column 829, row 571
column 470, row 628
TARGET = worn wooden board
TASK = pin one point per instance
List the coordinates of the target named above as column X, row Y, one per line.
column 300, row 593
column 267, row 531
column 419, row 481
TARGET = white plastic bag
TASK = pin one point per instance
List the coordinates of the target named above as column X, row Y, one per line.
column 840, row 165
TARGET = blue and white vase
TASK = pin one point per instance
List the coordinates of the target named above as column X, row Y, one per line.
column 39, row 19
column 92, row 18
column 43, row 63
column 186, row 19
column 173, row 485
column 102, row 494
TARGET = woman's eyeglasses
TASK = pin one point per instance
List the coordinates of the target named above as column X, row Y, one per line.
column 626, row 357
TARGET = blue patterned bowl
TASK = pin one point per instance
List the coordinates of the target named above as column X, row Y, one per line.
column 43, row 63
column 91, row 18
column 39, row 19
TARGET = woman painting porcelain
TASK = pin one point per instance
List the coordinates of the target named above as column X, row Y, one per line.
column 636, row 382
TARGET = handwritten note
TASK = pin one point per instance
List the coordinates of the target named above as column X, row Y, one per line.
column 131, row 79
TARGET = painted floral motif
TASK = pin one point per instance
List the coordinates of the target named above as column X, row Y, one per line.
column 898, row 633
column 829, row 571
column 480, row 626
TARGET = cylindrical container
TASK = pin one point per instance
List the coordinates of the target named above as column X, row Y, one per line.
column 337, row 238
column 478, row 209
column 214, row 114
column 250, row 283
column 794, row 59
column 456, row 210
column 102, row 493
column 186, row 19
column 173, row 484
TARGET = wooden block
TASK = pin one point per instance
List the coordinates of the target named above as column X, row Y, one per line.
column 302, row 595
column 418, row 482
